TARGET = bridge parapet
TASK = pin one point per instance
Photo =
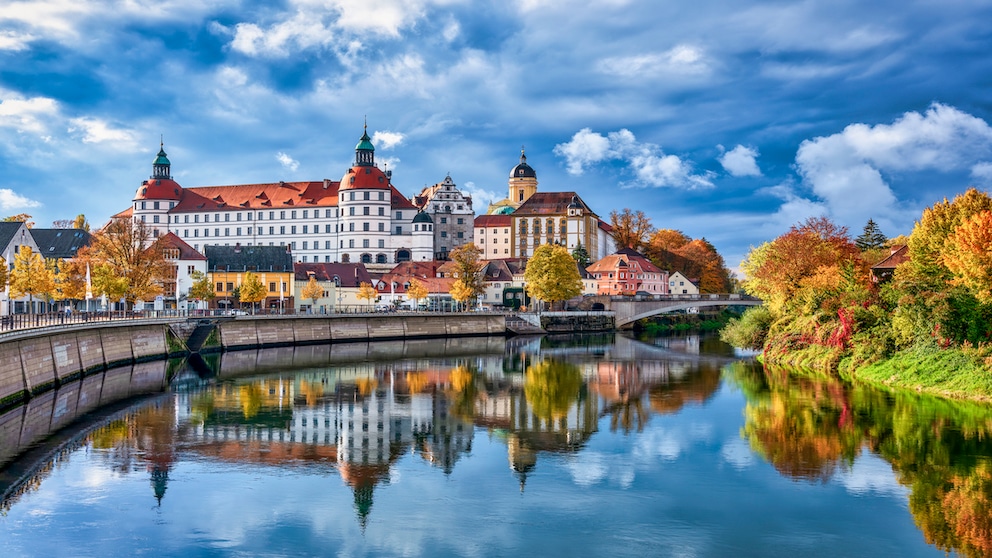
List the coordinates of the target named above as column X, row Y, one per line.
column 629, row 309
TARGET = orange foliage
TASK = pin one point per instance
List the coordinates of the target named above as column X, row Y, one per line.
column 967, row 255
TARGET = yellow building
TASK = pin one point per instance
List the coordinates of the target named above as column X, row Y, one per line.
column 227, row 267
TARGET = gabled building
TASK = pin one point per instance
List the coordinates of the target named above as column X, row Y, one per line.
column 626, row 273
column 883, row 270
column 451, row 213
column 340, row 283
column 393, row 285
column 228, row 265
column 680, row 284
column 13, row 236
column 360, row 218
column 184, row 262
column 504, row 279
column 60, row 244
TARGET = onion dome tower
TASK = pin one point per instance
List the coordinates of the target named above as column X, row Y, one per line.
column 523, row 181
column 157, row 195
column 365, row 201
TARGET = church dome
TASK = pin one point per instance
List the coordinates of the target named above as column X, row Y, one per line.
column 523, row 170
column 422, row 217
column 364, row 178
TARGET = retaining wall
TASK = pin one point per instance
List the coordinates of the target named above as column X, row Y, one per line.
column 32, row 363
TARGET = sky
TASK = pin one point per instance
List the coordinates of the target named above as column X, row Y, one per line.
column 727, row 119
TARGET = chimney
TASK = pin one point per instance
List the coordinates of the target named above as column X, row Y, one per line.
column 327, row 183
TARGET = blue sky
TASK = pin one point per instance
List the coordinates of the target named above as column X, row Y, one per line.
column 730, row 120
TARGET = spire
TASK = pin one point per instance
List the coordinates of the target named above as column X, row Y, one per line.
column 161, row 167
column 523, row 156
column 365, row 151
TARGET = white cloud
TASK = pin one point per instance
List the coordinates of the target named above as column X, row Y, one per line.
column 95, row 130
column 387, row 140
column 681, row 59
column 9, row 40
column 650, row 165
column 26, row 115
column 737, row 453
column 11, row 200
column 481, row 198
column 871, row 474
column 287, row 162
column 741, row 161
column 846, row 169
column 982, row 172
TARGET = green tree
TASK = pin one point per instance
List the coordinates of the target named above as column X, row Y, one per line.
column 581, row 255
column 552, row 275
column 202, row 287
column 312, row 290
column 31, row 276
column 252, row 290
column 871, row 238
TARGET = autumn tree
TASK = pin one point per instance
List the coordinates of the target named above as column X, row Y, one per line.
column 417, row 290
column 630, row 228
column 367, row 292
column 312, row 290
column 469, row 281
column 706, row 264
column 252, row 290
column 926, row 243
column 202, row 287
column 121, row 265
column 31, row 277
column 969, row 257
column 20, row 218
column 667, row 239
column 552, row 275
column 4, row 273
column 70, row 279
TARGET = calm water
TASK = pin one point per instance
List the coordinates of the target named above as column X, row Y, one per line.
column 585, row 446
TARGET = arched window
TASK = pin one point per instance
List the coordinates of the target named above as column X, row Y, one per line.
column 366, row 258
column 337, row 281
column 380, row 258
column 402, row 255
column 523, row 226
column 550, row 226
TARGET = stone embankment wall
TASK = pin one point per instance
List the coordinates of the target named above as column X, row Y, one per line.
column 245, row 333
column 570, row 322
column 32, row 363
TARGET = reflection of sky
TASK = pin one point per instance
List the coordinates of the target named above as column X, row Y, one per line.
column 685, row 486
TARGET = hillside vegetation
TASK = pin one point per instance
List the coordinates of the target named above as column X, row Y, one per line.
column 928, row 327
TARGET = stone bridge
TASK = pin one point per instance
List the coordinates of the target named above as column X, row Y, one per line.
column 629, row 309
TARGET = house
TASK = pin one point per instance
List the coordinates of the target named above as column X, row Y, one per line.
column 504, row 282
column 184, row 262
column 492, row 235
column 679, row 284
column 452, row 215
column 883, row 270
column 228, row 265
column 393, row 285
column 628, row 272
column 13, row 236
column 340, row 283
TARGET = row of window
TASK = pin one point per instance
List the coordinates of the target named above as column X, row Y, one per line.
column 549, row 226
column 305, row 229
column 366, row 195
column 328, row 214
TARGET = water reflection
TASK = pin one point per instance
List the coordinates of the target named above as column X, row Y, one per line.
column 362, row 414
column 809, row 427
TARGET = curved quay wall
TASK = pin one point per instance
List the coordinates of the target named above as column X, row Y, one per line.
column 33, row 363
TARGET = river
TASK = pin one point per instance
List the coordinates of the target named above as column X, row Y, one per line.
column 559, row 446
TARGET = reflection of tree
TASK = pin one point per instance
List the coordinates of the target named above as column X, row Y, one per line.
column 464, row 392
column 552, row 387
column 251, row 399
column 698, row 387
column 940, row 449
column 418, row 382
column 366, row 386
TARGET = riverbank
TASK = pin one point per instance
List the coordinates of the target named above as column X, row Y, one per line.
column 686, row 322
column 956, row 373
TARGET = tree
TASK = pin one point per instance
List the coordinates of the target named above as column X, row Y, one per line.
column 667, row 239
column 629, row 228
column 552, row 275
column 871, row 238
column 581, row 255
column 367, row 292
column 706, row 264
column 468, row 272
column 70, row 279
column 252, row 290
column 417, row 290
column 461, row 292
column 20, row 218
column 202, row 287
column 312, row 290
column 968, row 256
column 31, row 276
column 121, row 265
column 926, row 243
column 4, row 272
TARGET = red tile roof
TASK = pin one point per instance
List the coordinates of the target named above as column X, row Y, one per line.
column 550, row 203
column 186, row 252
column 899, row 254
column 493, row 221
column 349, row 274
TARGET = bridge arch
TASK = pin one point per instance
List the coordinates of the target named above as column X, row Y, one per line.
column 626, row 320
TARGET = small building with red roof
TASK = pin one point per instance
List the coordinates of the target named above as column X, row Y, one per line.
column 628, row 272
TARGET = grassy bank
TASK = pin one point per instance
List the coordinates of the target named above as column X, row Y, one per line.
column 685, row 322
column 961, row 373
